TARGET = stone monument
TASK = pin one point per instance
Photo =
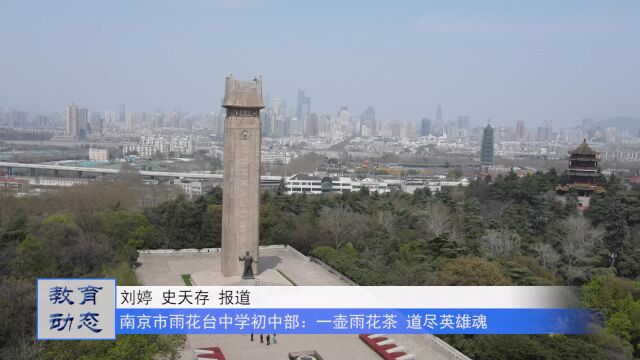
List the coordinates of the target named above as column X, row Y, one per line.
column 241, row 187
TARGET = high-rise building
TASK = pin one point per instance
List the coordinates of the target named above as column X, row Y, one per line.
column 121, row 114
column 276, row 105
column 450, row 129
column 304, row 108
column 313, row 126
column 265, row 124
column 486, row 149
column 157, row 120
column 324, row 124
column 548, row 132
column 72, row 119
column 439, row 123
column 110, row 117
column 610, row 135
column 77, row 121
column 368, row 119
column 396, row 130
column 464, row 123
column 83, row 123
column 96, row 125
column 18, row 118
column 343, row 115
column 425, row 128
column 410, row 130
column 130, row 120
column 521, row 130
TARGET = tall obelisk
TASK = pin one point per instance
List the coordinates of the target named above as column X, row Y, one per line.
column 241, row 187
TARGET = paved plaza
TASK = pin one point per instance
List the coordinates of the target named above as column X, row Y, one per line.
column 204, row 268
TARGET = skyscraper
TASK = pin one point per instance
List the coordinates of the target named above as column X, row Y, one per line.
column 313, row 127
column 464, row 123
column 540, row 134
column 96, row 125
column 130, row 120
column 77, row 121
column 82, row 124
column 521, row 130
column 265, row 123
column 304, row 108
column 110, row 117
column 121, row 114
column 368, row 119
column 343, row 115
column 486, row 149
column 439, row 123
column 276, row 105
column 425, row 128
column 72, row 119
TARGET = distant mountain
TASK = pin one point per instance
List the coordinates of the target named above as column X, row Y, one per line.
column 620, row 123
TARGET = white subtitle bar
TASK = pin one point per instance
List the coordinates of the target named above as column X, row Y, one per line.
column 336, row 297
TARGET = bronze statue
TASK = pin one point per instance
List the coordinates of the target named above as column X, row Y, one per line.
column 248, row 269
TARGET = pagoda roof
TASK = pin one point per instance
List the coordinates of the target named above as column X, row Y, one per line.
column 583, row 149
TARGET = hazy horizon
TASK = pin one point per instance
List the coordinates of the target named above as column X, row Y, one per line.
column 499, row 60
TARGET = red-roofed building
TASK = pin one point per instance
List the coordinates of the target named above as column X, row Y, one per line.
column 12, row 183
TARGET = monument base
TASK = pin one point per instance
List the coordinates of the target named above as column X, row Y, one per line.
column 249, row 282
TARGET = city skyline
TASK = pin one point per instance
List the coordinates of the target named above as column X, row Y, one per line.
column 402, row 60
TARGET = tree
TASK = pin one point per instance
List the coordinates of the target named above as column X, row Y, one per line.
column 616, row 230
column 579, row 239
column 211, row 234
column 500, row 242
column 472, row 226
column 617, row 299
column 342, row 224
column 547, row 255
column 470, row 271
column 127, row 227
column 539, row 214
column 436, row 219
column 31, row 259
column 421, row 195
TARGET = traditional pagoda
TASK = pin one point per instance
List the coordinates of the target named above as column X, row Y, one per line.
column 583, row 170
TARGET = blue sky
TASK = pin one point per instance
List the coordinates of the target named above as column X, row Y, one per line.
column 535, row 61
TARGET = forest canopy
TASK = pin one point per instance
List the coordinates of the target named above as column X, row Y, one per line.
column 507, row 231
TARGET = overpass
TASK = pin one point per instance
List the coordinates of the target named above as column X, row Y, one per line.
column 264, row 179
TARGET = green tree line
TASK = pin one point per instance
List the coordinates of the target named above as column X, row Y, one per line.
column 505, row 231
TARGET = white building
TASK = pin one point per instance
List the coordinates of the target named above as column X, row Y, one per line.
column 373, row 185
column 193, row 187
column 276, row 156
column 434, row 184
column 149, row 145
column 96, row 154
column 307, row 184
column 60, row 182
